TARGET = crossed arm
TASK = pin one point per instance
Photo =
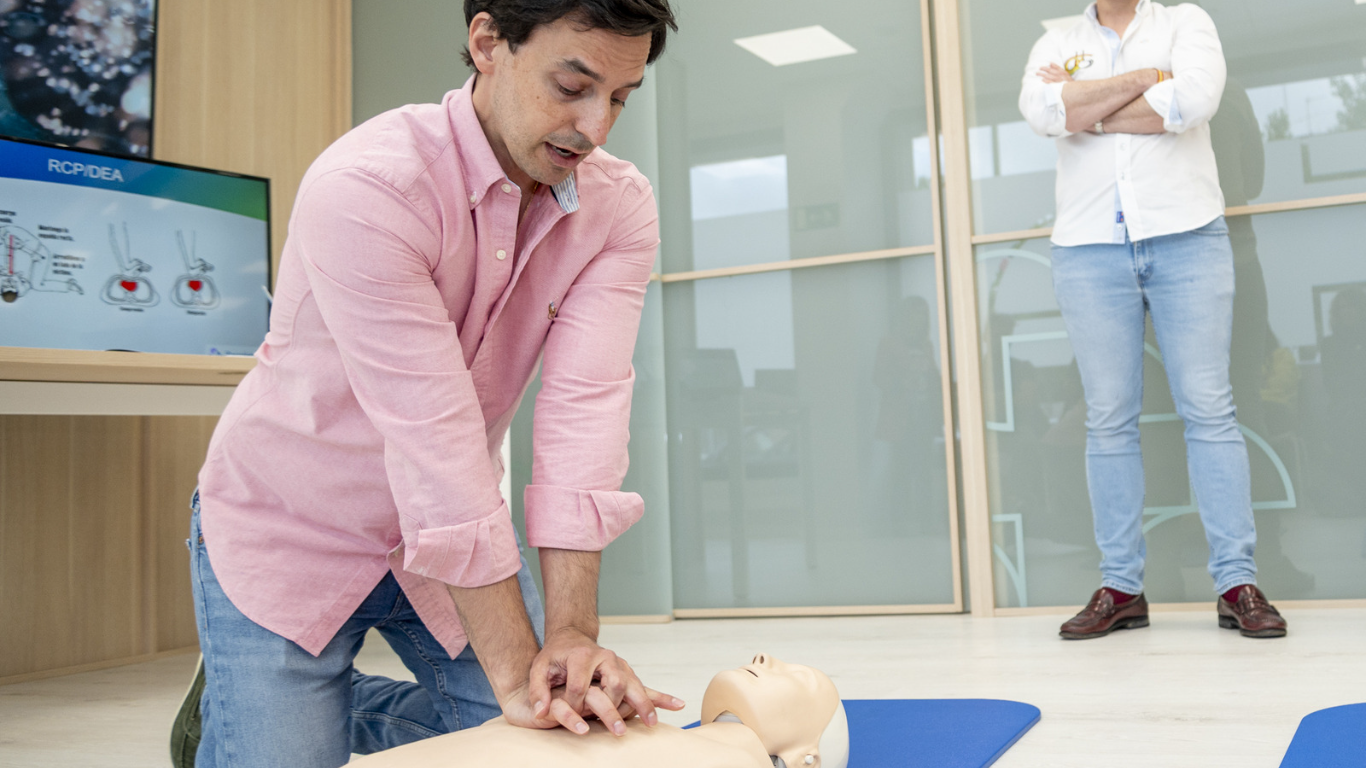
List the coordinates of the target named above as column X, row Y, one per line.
column 1117, row 102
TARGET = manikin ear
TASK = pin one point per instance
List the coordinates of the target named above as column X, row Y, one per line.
column 484, row 41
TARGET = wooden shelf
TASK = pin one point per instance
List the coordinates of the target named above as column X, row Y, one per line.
column 23, row 364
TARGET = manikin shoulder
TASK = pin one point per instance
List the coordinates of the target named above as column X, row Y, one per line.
column 496, row 744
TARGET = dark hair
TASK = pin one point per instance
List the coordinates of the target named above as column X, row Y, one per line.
column 515, row 20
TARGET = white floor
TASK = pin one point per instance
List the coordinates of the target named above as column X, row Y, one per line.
column 1180, row 693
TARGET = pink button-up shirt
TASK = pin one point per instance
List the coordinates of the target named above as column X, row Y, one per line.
column 409, row 317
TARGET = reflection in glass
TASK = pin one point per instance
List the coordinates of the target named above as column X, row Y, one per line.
column 806, row 428
column 1296, row 90
column 1298, row 363
column 776, row 153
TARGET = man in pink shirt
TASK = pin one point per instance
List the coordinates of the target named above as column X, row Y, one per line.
column 436, row 254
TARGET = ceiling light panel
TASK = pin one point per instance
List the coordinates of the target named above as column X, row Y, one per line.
column 796, row 46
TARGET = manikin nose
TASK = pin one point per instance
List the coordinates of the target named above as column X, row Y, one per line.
column 760, row 659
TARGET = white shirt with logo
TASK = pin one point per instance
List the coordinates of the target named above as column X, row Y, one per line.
column 1164, row 183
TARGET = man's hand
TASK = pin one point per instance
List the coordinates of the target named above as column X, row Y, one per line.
column 1054, row 74
column 596, row 682
column 573, row 677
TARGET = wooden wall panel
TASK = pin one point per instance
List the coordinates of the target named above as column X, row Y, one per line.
column 35, row 586
column 105, row 547
column 93, row 510
column 175, row 449
column 253, row 86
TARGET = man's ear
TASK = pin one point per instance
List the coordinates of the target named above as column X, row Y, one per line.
column 484, row 41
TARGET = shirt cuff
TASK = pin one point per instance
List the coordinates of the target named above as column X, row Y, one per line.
column 473, row 554
column 1052, row 96
column 586, row 521
column 1162, row 98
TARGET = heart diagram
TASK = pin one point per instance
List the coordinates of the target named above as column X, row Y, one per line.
column 194, row 289
column 130, row 287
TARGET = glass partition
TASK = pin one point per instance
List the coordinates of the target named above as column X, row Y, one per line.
column 806, row 426
column 791, row 129
column 1292, row 124
column 1291, row 128
column 807, row 463
column 1298, row 363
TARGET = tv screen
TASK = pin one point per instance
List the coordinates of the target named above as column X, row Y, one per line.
column 79, row 73
column 101, row 252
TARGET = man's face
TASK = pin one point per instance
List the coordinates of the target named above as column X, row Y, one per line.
column 550, row 103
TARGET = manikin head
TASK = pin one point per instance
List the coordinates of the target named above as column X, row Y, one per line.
column 795, row 711
column 553, row 75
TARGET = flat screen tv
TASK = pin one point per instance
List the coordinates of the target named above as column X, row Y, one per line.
column 101, row 252
column 79, row 73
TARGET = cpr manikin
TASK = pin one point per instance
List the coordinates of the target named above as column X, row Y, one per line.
column 766, row 714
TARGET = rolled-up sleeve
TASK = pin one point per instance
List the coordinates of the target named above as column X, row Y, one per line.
column 368, row 253
column 583, row 411
column 1041, row 103
column 1199, row 73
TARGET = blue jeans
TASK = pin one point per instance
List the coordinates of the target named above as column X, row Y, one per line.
column 267, row 702
column 1186, row 282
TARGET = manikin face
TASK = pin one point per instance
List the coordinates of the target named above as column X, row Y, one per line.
column 787, row 705
column 547, row 105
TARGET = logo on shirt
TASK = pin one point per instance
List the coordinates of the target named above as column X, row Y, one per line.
column 1078, row 63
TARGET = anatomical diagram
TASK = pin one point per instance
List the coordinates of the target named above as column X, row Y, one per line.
column 25, row 266
column 194, row 289
column 130, row 287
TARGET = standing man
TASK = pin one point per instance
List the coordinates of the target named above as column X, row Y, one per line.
column 435, row 255
column 1128, row 92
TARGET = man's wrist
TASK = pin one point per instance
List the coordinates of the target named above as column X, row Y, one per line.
column 581, row 626
column 513, row 675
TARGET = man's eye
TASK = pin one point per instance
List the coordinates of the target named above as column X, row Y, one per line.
column 619, row 102
column 568, row 92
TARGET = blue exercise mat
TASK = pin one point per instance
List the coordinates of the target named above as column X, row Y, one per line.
column 933, row 733
column 1329, row 738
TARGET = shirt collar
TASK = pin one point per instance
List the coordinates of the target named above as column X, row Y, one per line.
column 479, row 165
column 567, row 194
column 1095, row 17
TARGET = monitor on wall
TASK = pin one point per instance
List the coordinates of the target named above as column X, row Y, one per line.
column 79, row 73
column 99, row 252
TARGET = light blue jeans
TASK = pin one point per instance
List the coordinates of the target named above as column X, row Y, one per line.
column 268, row 702
column 1186, row 282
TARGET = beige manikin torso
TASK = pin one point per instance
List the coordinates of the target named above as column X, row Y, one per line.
column 496, row 744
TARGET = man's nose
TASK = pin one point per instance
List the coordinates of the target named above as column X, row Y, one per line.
column 595, row 122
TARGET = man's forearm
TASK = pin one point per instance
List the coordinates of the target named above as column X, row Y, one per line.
column 497, row 626
column 1135, row 117
column 571, row 590
column 1090, row 101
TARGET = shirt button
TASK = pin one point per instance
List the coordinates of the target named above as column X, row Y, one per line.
column 507, row 187
column 474, row 198
column 501, row 254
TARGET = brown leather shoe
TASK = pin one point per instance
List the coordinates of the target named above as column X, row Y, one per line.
column 1251, row 614
column 1101, row 616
